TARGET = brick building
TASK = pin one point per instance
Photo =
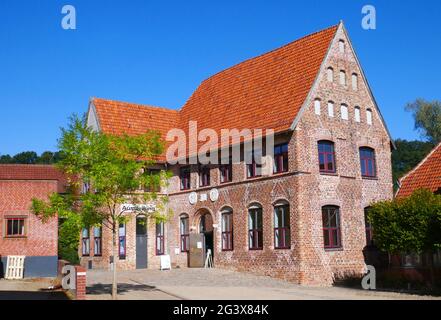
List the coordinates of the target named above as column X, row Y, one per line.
column 22, row 233
column 427, row 174
column 301, row 217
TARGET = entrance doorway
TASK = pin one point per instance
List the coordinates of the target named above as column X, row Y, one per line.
column 206, row 228
column 141, row 242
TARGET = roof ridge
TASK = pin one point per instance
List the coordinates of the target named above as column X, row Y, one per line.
column 135, row 104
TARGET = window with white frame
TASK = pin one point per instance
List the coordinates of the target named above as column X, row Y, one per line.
column 369, row 116
column 357, row 114
column 331, row 108
column 317, row 106
column 342, row 78
column 330, row 74
column 344, row 112
column 354, row 81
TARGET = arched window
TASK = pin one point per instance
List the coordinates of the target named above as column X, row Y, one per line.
column 330, row 74
column 341, row 46
column 369, row 116
column 330, row 108
column 344, row 112
column 326, row 156
column 184, row 229
column 122, row 241
column 227, row 229
column 357, row 114
column 342, row 77
column 160, row 238
column 282, row 234
column 367, row 162
column 85, row 241
column 97, row 241
column 368, row 228
column 255, row 227
column 317, row 106
column 354, row 81
column 331, row 227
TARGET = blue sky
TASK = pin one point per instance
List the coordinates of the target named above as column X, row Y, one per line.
column 157, row 52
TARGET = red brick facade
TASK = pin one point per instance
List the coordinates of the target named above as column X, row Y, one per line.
column 303, row 187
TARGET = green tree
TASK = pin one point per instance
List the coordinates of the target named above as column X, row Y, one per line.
column 108, row 171
column 27, row 157
column 5, row 159
column 427, row 116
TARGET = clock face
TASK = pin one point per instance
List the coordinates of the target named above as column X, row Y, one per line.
column 214, row 195
column 193, row 198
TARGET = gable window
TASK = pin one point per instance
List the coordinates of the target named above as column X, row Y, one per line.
column 85, row 242
column 226, row 171
column 204, row 176
column 15, row 227
column 160, row 238
column 281, row 226
column 254, row 164
column 255, row 228
column 330, row 74
column 331, row 108
column 317, row 107
column 227, row 230
column 122, row 241
column 342, row 78
column 369, row 116
column 331, row 227
column 368, row 228
column 354, row 81
column 367, row 162
column 281, row 158
column 97, row 242
column 185, row 233
column 184, row 174
column 344, row 112
column 326, row 156
column 357, row 114
column 341, row 46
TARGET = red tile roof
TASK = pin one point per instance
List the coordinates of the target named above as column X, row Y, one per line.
column 265, row 92
column 33, row 172
column 427, row 174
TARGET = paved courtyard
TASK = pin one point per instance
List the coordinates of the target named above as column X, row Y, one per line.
column 218, row 284
column 29, row 289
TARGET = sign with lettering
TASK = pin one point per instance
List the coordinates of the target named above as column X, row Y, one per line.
column 128, row 207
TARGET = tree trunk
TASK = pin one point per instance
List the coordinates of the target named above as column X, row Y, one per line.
column 115, row 255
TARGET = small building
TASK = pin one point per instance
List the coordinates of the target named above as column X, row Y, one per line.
column 22, row 233
column 301, row 217
column 427, row 175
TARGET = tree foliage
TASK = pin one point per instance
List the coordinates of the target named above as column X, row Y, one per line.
column 411, row 224
column 427, row 116
column 104, row 171
column 31, row 157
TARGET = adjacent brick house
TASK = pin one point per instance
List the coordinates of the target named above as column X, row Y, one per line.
column 302, row 218
column 427, row 174
column 22, row 233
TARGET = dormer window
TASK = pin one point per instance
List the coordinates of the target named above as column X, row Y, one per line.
column 341, row 46
column 330, row 74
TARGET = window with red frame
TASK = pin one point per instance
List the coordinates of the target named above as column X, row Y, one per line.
column 185, row 233
column 282, row 237
column 122, row 241
column 255, row 231
column 185, row 178
column 326, row 156
column 227, row 230
column 226, row 171
column 160, row 238
column 15, row 227
column 85, row 242
column 204, row 176
column 367, row 162
column 97, row 242
column 254, row 164
column 331, row 227
column 281, row 158
column 369, row 229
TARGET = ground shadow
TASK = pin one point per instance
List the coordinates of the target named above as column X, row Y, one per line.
column 32, row 295
column 99, row 288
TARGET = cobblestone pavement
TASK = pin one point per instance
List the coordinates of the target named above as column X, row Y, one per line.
column 29, row 289
column 218, row 284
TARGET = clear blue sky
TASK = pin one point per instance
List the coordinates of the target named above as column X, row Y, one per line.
column 157, row 52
